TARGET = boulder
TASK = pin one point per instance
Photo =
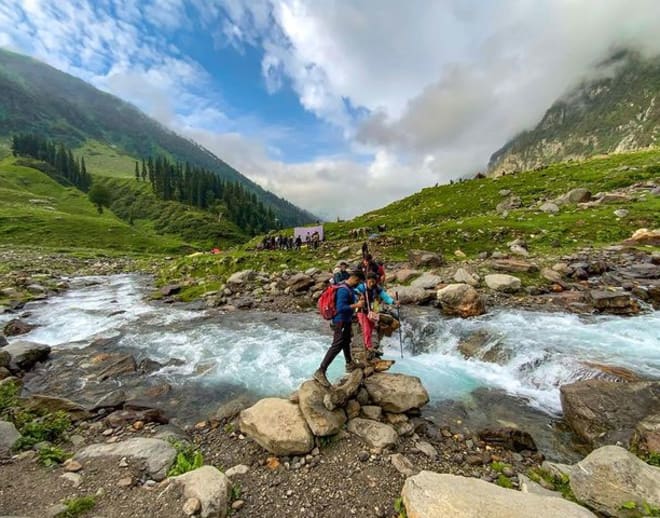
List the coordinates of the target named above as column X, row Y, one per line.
column 158, row 455
column 321, row 421
column 170, row 289
column 373, row 412
column 373, row 433
column 461, row 300
column 513, row 265
column 549, row 208
column 512, row 202
column 603, row 412
column 427, row 281
column 24, row 355
column 614, row 302
column 8, row 436
column 529, row 486
column 644, row 236
column 50, row 404
column 300, row 282
column 347, row 388
column 579, row 195
column 278, row 426
column 646, row 438
column 502, row 282
column 432, row 495
column 405, row 275
column 462, row 276
column 17, row 327
column 611, row 476
column 402, row 464
column 3, row 339
column 353, row 408
column 519, row 250
column 424, row 259
column 210, row 487
column 411, row 294
column 241, row 277
column 474, row 345
column 114, row 399
column 124, row 364
column 396, row 393
column 5, row 359
column 552, row 276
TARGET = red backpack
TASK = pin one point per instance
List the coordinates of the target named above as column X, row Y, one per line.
column 327, row 303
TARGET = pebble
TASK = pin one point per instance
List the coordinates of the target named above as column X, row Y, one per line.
column 125, row 482
column 363, row 456
column 191, row 506
column 237, row 504
column 107, row 432
column 74, row 478
column 56, row 510
column 72, row 466
column 138, row 425
column 240, row 469
column 123, row 463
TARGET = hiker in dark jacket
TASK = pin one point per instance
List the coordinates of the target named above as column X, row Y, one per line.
column 346, row 303
column 342, row 274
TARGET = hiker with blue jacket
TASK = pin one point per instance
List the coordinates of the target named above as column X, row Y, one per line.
column 346, row 303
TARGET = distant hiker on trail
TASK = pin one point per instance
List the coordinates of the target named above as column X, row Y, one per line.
column 298, row 242
column 346, row 302
column 365, row 250
column 368, row 316
column 342, row 274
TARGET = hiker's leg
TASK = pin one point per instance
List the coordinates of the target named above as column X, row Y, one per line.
column 337, row 345
column 365, row 326
column 346, row 341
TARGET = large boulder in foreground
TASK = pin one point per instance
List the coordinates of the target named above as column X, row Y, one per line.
column 278, row 426
column 603, row 412
column 208, row 485
column 158, row 455
column 396, row 393
column 432, row 495
column 373, row 433
column 24, row 355
column 461, row 300
column 611, row 476
column 320, row 420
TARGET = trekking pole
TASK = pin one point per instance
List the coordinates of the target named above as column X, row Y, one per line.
column 398, row 316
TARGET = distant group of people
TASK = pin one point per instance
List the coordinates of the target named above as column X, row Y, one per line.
column 360, row 295
column 281, row 242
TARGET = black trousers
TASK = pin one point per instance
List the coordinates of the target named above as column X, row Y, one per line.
column 341, row 341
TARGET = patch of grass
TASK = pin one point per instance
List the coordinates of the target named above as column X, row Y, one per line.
column 8, row 399
column 52, row 455
column 106, row 160
column 35, row 429
column 235, row 492
column 78, row 506
column 328, row 440
column 561, row 484
column 188, row 458
column 633, row 509
column 504, row 481
column 400, row 508
column 499, row 466
column 228, row 428
column 653, row 458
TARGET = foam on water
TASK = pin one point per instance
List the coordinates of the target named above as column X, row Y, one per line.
column 272, row 354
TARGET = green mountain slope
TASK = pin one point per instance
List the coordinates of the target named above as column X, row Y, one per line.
column 37, row 211
column 37, row 98
column 613, row 114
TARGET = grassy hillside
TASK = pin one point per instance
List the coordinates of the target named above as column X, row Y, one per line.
column 463, row 216
column 37, row 211
column 105, row 160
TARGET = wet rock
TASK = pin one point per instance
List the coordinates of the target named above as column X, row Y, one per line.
column 502, row 282
column 8, row 436
column 208, row 485
column 17, row 327
column 427, row 281
column 461, row 300
column 5, row 359
column 3, row 340
column 158, row 455
column 24, row 355
column 374, row 434
column 431, row 495
column 513, row 265
column 604, row 412
column 124, row 417
column 610, row 476
column 465, row 277
column 646, row 438
column 278, row 426
column 511, row 439
column 424, row 259
column 613, row 372
column 614, row 302
column 170, row 289
column 49, row 404
column 396, row 393
column 122, row 365
column 147, row 366
column 322, row 422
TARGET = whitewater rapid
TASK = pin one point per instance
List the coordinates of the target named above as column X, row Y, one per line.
column 271, row 354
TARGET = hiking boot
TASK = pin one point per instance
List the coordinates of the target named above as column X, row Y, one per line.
column 321, row 379
column 378, row 354
column 351, row 366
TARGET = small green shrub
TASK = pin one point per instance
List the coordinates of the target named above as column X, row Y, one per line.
column 52, row 455
column 78, row 506
column 235, row 492
column 504, row 481
column 8, row 399
column 187, row 459
column 399, row 508
column 653, row 458
column 561, row 484
column 499, row 466
column 49, row 427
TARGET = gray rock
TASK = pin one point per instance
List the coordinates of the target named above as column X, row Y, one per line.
column 8, row 436
column 610, row 476
column 396, row 393
column 519, row 250
column 579, row 195
column 114, row 399
column 74, row 478
column 427, row 281
column 124, row 364
column 411, row 294
column 278, row 426
column 424, row 259
column 300, row 282
column 321, row 421
column 374, row 434
column 464, row 277
column 557, row 469
column 502, row 282
column 242, row 277
column 621, row 213
column 432, row 495
column 512, row 202
column 604, row 412
column 346, row 389
column 3, row 339
column 24, row 355
column 461, row 300
column 50, row 404
column 529, row 486
column 17, row 327
column 157, row 454
column 427, row 449
column 240, row 469
column 549, row 208
column 402, row 464
column 551, row 275
column 208, row 485
column 373, row 412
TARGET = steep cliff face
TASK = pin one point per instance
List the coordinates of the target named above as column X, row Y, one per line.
column 615, row 113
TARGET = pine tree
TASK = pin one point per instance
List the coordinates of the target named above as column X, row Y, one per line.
column 137, row 172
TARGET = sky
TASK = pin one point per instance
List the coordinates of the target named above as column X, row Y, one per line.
column 340, row 106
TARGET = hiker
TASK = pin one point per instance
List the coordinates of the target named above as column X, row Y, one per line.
column 346, row 303
column 342, row 274
column 365, row 250
column 298, row 242
column 368, row 265
column 368, row 315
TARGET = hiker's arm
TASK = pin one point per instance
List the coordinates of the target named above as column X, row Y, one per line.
column 385, row 297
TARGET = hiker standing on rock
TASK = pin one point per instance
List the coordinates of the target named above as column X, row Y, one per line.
column 346, row 302
column 368, row 315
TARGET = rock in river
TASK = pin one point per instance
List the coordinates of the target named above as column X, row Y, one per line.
column 461, row 300
column 24, row 355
